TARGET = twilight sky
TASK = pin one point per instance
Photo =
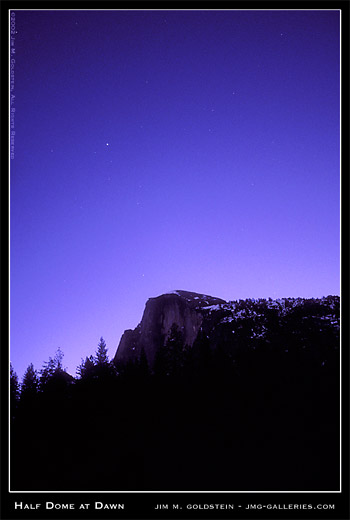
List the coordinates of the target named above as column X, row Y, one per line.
column 163, row 150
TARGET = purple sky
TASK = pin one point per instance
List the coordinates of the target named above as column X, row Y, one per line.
column 168, row 150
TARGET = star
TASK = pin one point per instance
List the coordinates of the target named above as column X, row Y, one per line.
column 107, row 144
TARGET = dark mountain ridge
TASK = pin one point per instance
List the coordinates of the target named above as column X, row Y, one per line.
column 296, row 323
column 202, row 395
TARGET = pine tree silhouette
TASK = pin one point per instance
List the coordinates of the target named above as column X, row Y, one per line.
column 101, row 358
column 14, row 392
column 30, row 384
column 86, row 368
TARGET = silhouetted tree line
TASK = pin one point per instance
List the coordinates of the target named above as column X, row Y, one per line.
column 229, row 413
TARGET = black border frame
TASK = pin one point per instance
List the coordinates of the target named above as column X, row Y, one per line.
column 141, row 505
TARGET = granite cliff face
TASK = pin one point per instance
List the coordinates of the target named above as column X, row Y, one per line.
column 184, row 309
column 288, row 325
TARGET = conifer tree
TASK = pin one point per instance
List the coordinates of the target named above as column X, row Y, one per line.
column 51, row 368
column 101, row 358
column 170, row 358
column 103, row 369
column 86, row 368
column 14, row 391
column 30, row 384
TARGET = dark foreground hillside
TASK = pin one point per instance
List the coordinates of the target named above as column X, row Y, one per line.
column 254, row 409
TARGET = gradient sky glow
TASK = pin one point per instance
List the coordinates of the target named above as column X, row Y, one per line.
column 163, row 150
